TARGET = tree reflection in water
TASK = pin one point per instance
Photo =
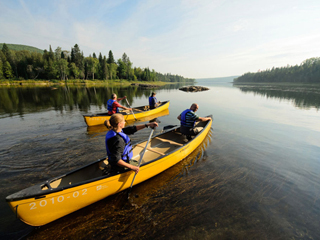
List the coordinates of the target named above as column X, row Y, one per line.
column 302, row 96
column 23, row 100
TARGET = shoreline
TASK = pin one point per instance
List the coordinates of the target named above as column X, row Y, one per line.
column 118, row 82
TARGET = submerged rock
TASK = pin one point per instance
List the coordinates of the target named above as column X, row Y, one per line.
column 193, row 89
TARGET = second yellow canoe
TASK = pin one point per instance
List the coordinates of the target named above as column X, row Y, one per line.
column 139, row 112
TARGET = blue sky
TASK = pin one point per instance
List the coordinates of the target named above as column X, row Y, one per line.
column 196, row 39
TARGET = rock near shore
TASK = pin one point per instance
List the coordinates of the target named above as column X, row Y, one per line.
column 193, row 89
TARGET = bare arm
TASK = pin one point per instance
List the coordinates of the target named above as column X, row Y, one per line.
column 122, row 163
column 119, row 99
column 120, row 106
column 179, row 117
column 203, row 119
column 142, row 126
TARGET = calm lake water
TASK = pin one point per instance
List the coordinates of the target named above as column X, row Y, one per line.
column 256, row 176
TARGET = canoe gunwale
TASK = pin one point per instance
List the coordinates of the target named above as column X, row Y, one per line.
column 51, row 190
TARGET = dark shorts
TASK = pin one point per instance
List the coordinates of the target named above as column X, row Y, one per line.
column 190, row 131
column 115, row 169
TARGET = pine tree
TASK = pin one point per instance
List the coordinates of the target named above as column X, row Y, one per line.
column 7, row 70
column 1, row 69
column 110, row 58
column 51, row 54
column 104, row 69
column 77, row 57
column 11, row 60
column 6, row 51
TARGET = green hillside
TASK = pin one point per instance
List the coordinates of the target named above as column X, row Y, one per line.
column 18, row 47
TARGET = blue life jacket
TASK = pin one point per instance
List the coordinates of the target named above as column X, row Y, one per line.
column 183, row 120
column 110, row 103
column 151, row 102
column 127, row 152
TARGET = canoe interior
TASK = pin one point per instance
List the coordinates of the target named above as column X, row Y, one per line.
column 160, row 145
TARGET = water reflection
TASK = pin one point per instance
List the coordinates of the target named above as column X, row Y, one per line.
column 257, row 179
column 22, row 100
column 302, row 96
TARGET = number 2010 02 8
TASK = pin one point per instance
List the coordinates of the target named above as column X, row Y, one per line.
column 59, row 199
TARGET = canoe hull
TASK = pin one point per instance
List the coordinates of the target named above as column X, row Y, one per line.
column 42, row 209
column 94, row 120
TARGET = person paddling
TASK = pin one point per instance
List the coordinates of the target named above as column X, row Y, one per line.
column 153, row 102
column 188, row 118
column 118, row 144
column 114, row 105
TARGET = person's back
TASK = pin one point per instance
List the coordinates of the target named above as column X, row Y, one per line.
column 112, row 108
column 113, row 105
column 188, row 118
column 153, row 101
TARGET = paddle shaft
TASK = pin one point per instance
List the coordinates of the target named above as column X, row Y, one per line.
column 131, row 109
column 144, row 150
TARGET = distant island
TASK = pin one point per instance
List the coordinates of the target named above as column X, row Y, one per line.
column 20, row 62
column 307, row 72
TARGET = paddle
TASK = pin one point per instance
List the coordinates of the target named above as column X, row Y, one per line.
column 131, row 109
column 140, row 160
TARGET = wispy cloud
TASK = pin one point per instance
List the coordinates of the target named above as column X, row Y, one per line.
column 190, row 38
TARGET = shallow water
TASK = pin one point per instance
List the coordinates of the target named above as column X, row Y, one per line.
column 254, row 177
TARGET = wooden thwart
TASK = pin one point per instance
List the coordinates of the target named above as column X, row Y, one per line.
column 150, row 149
column 166, row 140
column 136, row 109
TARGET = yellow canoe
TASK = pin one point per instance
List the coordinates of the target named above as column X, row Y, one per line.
column 57, row 197
column 139, row 112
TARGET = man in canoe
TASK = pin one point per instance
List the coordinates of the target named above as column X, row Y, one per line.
column 153, row 102
column 118, row 144
column 188, row 118
column 114, row 105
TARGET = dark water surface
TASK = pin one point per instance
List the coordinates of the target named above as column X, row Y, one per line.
column 256, row 176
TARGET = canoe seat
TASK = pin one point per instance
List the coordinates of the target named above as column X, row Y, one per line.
column 150, row 149
column 169, row 141
column 149, row 155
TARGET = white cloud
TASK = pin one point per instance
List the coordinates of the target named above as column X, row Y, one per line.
column 190, row 38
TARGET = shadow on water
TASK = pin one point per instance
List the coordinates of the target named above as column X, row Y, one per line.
column 302, row 96
column 140, row 217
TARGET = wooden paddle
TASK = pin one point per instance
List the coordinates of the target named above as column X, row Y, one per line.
column 131, row 109
column 140, row 160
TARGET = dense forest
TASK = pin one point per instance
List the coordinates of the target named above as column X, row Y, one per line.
column 307, row 72
column 19, row 62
